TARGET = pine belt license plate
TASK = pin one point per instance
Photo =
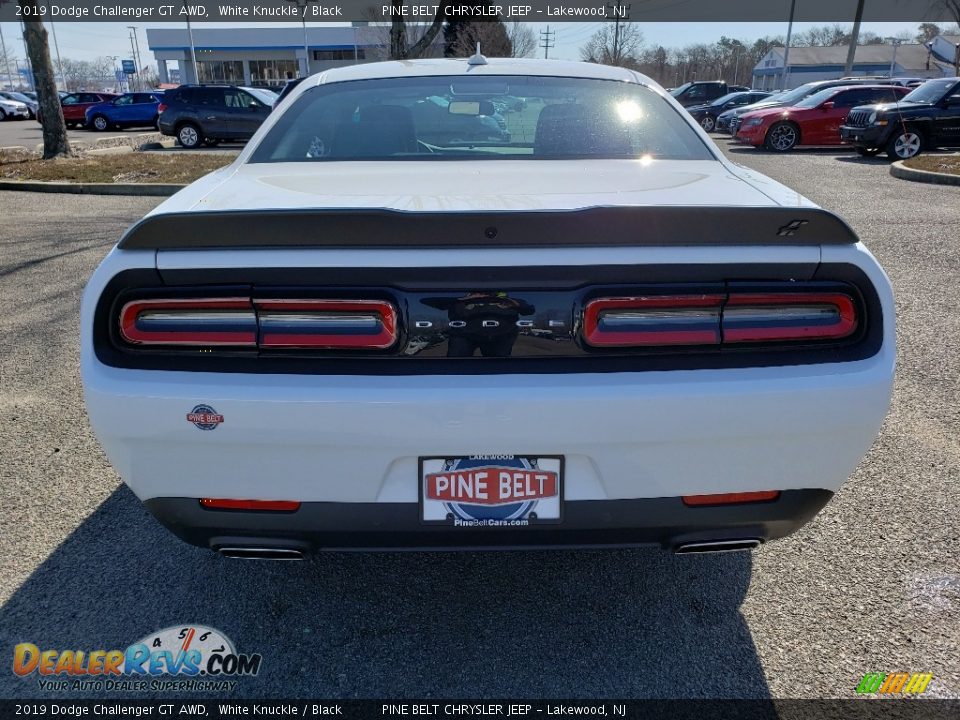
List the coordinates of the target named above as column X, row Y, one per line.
column 507, row 491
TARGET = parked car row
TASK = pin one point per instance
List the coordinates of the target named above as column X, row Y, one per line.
column 194, row 114
column 896, row 116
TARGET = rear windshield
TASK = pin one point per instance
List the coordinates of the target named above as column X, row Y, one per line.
column 481, row 117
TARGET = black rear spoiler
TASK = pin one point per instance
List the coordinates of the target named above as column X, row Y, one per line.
column 597, row 226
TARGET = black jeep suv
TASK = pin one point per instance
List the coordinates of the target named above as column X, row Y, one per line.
column 197, row 114
column 927, row 118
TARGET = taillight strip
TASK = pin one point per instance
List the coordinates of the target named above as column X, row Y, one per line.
column 327, row 324
column 190, row 321
column 771, row 317
column 653, row 320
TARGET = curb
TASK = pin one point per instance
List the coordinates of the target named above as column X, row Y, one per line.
column 899, row 170
column 143, row 189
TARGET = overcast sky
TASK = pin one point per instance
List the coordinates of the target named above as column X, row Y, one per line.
column 87, row 40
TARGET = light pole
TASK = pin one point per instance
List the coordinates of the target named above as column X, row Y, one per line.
column 893, row 61
column 302, row 9
column 786, row 50
column 136, row 65
column 56, row 45
column 193, row 49
column 116, row 73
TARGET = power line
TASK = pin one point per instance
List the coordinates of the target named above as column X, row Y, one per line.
column 547, row 41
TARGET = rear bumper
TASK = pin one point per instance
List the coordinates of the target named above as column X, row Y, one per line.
column 663, row 522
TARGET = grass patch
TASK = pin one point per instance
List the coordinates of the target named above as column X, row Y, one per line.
column 949, row 164
column 120, row 168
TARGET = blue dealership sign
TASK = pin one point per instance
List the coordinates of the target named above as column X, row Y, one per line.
column 129, row 67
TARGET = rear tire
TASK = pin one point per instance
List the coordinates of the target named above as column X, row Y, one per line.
column 905, row 144
column 782, row 137
column 99, row 123
column 189, row 136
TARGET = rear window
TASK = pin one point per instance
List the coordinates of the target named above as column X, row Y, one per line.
column 482, row 117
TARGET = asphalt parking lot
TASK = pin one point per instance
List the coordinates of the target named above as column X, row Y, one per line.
column 29, row 134
column 872, row 585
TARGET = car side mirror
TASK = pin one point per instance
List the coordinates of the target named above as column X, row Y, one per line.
column 828, row 105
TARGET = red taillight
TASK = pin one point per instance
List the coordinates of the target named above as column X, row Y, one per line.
column 653, row 320
column 190, row 321
column 731, row 498
column 258, row 505
column 327, row 324
column 773, row 317
column 160, row 108
column 719, row 319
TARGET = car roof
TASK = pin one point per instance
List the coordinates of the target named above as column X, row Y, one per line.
column 460, row 66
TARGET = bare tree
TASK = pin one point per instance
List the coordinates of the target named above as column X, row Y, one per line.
column 400, row 48
column 55, row 142
column 492, row 37
column 608, row 48
column 523, row 41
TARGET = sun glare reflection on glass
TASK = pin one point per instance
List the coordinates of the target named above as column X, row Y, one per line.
column 629, row 111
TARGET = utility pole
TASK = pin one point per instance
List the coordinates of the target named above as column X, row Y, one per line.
column 786, row 50
column 6, row 59
column 854, row 39
column 620, row 12
column 133, row 55
column 547, row 41
column 136, row 40
column 56, row 45
column 32, row 78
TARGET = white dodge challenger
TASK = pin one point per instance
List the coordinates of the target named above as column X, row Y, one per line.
column 472, row 303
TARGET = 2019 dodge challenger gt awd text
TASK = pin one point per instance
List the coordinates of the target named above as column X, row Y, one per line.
column 586, row 328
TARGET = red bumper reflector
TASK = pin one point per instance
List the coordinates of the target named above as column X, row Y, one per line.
column 261, row 505
column 730, row 498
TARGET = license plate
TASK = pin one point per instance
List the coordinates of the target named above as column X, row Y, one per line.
column 491, row 490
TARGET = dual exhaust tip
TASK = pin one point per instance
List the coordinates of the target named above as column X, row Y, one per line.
column 279, row 553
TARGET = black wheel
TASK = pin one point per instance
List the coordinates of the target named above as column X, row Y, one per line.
column 905, row 144
column 867, row 152
column 3, row 115
column 782, row 137
column 709, row 123
column 70, row 125
column 189, row 136
column 99, row 123
column 210, row 142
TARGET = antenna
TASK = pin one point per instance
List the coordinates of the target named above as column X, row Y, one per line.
column 477, row 58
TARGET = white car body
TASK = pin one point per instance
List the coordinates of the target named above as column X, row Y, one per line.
column 348, row 446
column 14, row 109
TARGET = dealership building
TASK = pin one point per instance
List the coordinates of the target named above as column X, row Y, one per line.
column 933, row 60
column 260, row 55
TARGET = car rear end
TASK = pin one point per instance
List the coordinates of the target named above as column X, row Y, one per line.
column 508, row 353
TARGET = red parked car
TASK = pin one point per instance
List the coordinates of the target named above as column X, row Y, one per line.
column 75, row 106
column 815, row 120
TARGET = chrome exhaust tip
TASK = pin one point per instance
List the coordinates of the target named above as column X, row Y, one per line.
column 260, row 553
column 718, row 546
